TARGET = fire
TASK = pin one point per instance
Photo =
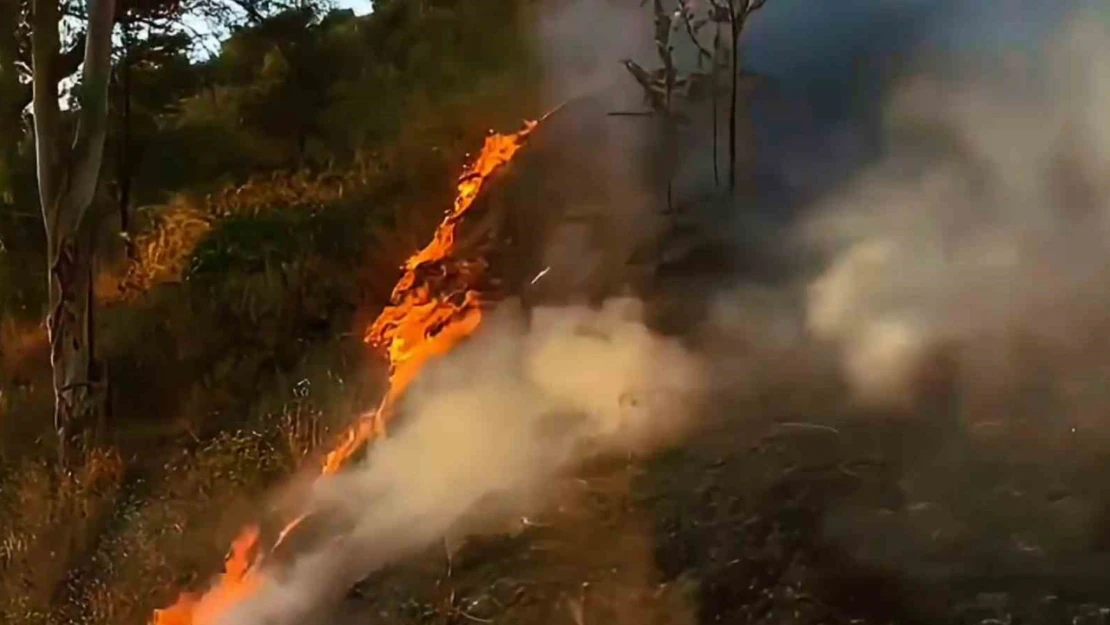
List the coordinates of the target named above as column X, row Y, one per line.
column 435, row 305
column 238, row 581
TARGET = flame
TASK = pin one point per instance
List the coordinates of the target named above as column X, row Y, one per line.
column 435, row 305
column 238, row 581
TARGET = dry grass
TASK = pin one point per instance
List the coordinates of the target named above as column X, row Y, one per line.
column 96, row 548
column 48, row 517
column 25, row 387
column 169, row 537
column 169, row 234
column 160, row 253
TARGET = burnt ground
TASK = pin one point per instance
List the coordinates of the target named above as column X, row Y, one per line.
column 774, row 523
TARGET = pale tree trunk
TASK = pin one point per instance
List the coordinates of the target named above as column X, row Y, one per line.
column 67, row 176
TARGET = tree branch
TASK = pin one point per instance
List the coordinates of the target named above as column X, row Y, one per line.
column 248, row 7
column 92, row 123
column 691, row 30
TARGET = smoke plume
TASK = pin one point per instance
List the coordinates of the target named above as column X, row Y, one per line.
column 983, row 232
column 482, row 435
column 582, row 43
column 600, row 192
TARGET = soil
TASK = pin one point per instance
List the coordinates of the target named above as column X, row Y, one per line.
column 772, row 523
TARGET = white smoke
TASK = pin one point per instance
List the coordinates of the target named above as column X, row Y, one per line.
column 483, row 434
column 600, row 196
column 582, row 43
column 991, row 223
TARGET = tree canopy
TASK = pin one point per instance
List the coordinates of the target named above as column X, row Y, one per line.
column 291, row 84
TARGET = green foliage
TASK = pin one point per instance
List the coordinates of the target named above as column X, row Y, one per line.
column 252, row 244
column 248, row 245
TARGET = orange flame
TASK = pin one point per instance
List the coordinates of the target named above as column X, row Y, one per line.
column 435, row 305
column 237, row 582
column 429, row 314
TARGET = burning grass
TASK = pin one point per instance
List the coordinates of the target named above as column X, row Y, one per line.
column 434, row 305
column 207, row 345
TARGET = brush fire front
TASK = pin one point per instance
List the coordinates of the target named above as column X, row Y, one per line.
column 436, row 304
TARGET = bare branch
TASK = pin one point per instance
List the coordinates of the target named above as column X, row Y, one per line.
column 687, row 20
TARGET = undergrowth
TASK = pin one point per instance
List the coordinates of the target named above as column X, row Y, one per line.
column 232, row 336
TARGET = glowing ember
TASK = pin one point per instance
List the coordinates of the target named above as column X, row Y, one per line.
column 434, row 306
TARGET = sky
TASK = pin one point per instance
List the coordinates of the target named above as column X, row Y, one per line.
column 360, row 7
column 210, row 43
column 833, row 64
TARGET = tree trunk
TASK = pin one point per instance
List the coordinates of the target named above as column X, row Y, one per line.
column 77, row 388
column 67, row 176
column 739, row 12
column 124, row 166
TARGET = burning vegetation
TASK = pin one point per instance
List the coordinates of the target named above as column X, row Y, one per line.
column 435, row 305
